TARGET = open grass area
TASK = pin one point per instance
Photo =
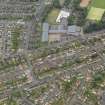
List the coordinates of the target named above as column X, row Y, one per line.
column 52, row 16
column 98, row 3
column 95, row 13
column 96, row 10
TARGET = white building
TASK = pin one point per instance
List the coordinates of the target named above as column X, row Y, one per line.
column 62, row 14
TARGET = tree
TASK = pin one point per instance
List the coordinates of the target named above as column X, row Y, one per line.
column 71, row 20
column 56, row 3
column 67, row 2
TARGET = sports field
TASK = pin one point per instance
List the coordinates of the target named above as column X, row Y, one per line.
column 97, row 9
column 98, row 4
column 52, row 16
column 95, row 13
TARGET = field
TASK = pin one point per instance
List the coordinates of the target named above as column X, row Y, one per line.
column 52, row 16
column 96, row 10
column 98, row 4
column 95, row 13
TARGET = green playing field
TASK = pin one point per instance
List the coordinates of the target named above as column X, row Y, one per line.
column 96, row 10
column 98, row 4
column 95, row 13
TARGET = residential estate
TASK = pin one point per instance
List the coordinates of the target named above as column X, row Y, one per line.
column 52, row 52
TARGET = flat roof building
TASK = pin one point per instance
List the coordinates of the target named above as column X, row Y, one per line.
column 62, row 14
column 45, row 32
column 55, row 32
column 73, row 30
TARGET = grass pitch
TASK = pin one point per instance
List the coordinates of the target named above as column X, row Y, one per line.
column 95, row 13
column 98, row 4
column 52, row 16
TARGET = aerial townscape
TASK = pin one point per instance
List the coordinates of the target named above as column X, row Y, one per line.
column 52, row 52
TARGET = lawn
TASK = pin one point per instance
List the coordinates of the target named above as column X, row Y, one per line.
column 95, row 13
column 98, row 3
column 52, row 16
